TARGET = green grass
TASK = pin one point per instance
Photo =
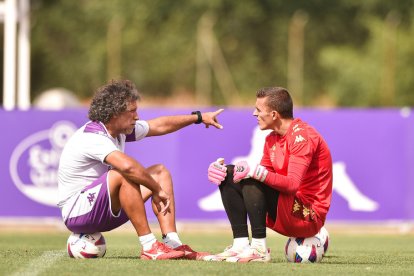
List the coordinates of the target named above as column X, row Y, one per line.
column 44, row 254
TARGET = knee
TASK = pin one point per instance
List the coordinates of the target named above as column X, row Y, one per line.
column 251, row 183
column 159, row 171
column 252, row 188
column 230, row 171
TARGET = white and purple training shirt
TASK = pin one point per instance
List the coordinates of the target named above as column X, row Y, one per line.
column 82, row 159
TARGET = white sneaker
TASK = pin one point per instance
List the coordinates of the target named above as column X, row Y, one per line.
column 229, row 252
column 251, row 255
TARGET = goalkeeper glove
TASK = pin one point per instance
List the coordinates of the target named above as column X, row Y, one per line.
column 217, row 171
column 243, row 170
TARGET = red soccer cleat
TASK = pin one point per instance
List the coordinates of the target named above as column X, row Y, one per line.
column 190, row 254
column 161, row 251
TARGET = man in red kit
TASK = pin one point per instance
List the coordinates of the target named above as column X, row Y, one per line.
column 289, row 191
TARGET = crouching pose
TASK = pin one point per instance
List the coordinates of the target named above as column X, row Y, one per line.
column 101, row 187
column 289, row 191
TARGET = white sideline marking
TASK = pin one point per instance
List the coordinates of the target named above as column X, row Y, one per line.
column 41, row 263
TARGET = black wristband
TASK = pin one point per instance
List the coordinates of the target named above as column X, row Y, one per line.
column 199, row 117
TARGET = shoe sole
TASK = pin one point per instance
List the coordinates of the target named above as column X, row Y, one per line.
column 176, row 255
column 247, row 260
column 232, row 259
column 212, row 258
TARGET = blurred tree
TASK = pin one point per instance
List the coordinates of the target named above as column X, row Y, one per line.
column 377, row 74
column 79, row 45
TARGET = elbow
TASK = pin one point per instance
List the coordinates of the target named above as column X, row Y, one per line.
column 291, row 190
column 293, row 187
column 127, row 168
column 283, row 184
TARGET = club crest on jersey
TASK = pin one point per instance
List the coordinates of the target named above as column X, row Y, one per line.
column 272, row 153
column 299, row 138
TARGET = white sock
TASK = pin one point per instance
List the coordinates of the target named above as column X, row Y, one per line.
column 240, row 243
column 147, row 241
column 172, row 240
column 259, row 244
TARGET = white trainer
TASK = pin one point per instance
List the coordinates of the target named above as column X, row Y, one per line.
column 251, row 255
column 229, row 252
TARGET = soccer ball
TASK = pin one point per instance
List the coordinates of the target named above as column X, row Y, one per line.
column 304, row 250
column 85, row 246
column 324, row 237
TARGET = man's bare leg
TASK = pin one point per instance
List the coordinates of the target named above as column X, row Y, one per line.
column 128, row 196
column 163, row 177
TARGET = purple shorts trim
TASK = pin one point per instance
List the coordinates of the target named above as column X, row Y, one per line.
column 100, row 218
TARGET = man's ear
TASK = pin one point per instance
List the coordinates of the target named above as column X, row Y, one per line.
column 275, row 115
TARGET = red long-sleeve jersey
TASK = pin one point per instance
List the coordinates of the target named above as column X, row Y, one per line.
column 300, row 168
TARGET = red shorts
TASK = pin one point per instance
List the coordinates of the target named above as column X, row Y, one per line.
column 295, row 219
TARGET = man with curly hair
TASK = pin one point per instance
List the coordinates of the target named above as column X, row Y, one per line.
column 101, row 187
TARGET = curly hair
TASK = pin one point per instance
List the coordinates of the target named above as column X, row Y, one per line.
column 112, row 99
column 278, row 99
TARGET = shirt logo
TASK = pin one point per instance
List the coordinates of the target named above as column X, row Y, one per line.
column 296, row 128
column 272, row 153
column 91, row 198
column 299, row 138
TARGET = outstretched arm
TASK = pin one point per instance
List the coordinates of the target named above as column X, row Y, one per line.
column 167, row 124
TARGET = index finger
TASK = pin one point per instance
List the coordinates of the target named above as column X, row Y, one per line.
column 218, row 111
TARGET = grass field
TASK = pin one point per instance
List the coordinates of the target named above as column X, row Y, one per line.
column 43, row 253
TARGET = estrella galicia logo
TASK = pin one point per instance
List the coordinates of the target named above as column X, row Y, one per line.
column 35, row 160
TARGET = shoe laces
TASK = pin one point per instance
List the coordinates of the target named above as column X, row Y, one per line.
column 258, row 251
column 164, row 247
column 250, row 252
